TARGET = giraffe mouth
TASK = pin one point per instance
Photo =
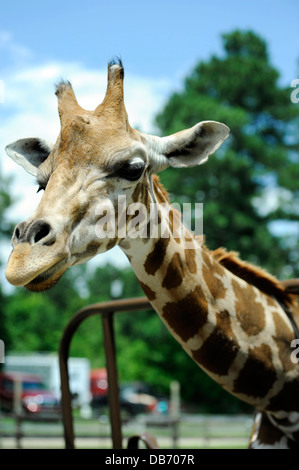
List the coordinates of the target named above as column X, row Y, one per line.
column 48, row 278
column 37, row 268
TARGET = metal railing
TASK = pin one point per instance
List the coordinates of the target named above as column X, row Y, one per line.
column 106, row 310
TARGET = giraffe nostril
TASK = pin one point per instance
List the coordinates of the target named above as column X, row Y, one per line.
column 43, row 232
column 19, row 232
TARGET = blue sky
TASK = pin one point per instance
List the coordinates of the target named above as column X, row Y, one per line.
column 158, row 41
column 155, row 38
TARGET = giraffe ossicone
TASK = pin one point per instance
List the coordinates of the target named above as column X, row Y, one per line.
column 226, row 314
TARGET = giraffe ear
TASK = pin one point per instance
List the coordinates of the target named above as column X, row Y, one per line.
column 29, row 153
column 193, row 146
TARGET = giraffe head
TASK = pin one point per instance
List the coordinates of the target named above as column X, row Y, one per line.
column 97, row 158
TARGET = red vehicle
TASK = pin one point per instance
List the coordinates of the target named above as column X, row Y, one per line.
column 99, row 386
column 134, row 397
column 35, row 398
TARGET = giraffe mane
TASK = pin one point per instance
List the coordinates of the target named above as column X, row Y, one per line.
column 161, row 189
column 252, row 274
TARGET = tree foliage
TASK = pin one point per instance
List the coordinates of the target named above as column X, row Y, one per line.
column 252, row 181
column 5, row 231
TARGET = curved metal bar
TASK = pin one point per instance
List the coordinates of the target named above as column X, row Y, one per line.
column 146, row 438
column 107, row 311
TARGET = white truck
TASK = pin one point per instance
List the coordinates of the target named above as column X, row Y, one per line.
column 47, row 367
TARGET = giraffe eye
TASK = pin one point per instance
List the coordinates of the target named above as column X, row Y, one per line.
column 131, row 171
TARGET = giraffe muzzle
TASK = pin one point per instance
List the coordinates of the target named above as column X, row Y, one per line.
column 38, row 259
column 35, row 267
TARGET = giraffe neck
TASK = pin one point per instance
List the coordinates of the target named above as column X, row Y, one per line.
column 226, row 325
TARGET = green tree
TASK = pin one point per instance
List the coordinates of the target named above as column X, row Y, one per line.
column 5, row 232
column 252, row 181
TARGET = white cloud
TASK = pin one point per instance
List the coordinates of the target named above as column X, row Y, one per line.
column 16, row 52
column 30, row 110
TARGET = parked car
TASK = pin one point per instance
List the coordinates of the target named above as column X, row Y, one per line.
column 35, row 398
column 134, row 397
column 139, row 397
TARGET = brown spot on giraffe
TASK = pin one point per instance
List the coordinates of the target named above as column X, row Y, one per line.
column 111, row 243
column 141, row 194
column 287, row 398
column 188, row 315
column 266, row 433
column 252, row 319
column 125, row 244
column 77, row 212
column 221, row 347
column 258, row 374
column 136, row 192
column 175, row 224
column 271, row 302
column 92, row 248
column 151, row 295
column 210, row 271
column 283, row 339
column 175, row 273
column 190, row 256
column 146, row 197
column 156, row 257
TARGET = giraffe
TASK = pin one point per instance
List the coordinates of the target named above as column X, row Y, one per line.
column 228, row 315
